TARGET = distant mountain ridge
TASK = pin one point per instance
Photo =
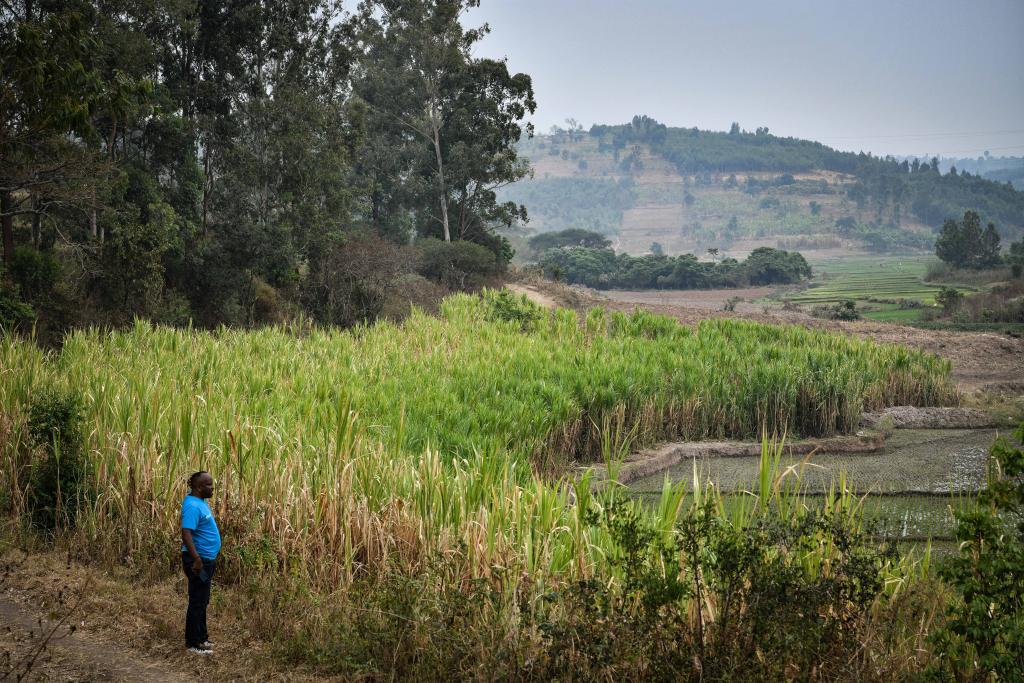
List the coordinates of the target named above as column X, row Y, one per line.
column 688, row 190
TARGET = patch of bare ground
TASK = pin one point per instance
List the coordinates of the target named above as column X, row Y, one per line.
column 126, row 629
column 710, row 299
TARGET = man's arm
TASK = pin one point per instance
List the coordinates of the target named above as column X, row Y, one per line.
column 197, row 562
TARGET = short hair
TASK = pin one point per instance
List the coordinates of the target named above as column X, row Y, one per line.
column 192, row 479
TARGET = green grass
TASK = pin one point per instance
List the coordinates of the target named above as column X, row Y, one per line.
column 319, row 432
column 897, row 517
column 874, row 283
column 390, row 451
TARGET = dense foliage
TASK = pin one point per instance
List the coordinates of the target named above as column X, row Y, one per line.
column 604, row 269
column 569, row 238
column 220, row 164
column 963, row 244
column 387, row 469
column 986, row 631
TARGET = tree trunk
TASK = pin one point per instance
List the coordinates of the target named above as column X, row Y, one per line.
column 92, row 215
column 8, row 232
column 207, row 185
column 440, row 177
column 37, row 231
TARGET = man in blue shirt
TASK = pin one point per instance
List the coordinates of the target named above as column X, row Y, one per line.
column 200, row 545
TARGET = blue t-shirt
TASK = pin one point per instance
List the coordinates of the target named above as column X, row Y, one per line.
column 196, row 515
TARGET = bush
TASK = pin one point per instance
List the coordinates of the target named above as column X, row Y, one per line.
column 458, row 265
column 14, row 313
column 949, row 298
column 844, row 310
column 58, row 483
column 352, row 280
column 985, row 634
column 504, row 305
column 35, row 272
column 651, row 624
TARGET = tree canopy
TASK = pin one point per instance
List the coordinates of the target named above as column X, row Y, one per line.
column 604, row 269
column 964, row 244
column 210, row 162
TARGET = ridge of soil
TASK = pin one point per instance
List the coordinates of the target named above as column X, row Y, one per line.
column 650, row 461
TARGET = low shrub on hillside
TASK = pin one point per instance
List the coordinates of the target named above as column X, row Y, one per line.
column 843, row 310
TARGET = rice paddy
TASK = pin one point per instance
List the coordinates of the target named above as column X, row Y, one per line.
column 884, row 287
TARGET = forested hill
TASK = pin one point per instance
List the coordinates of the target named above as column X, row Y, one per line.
column 738, row 190
column 931, row 195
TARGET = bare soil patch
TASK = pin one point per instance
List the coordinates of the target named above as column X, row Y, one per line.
column 710, row 299
column 130, row 629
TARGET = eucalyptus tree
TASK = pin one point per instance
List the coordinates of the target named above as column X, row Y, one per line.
column 441, row 124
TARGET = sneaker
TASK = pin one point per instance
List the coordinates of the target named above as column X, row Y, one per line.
column 200, row 650
column 207, row 645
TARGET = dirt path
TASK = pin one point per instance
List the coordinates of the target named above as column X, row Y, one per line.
column 52, row 650
column 534, row 294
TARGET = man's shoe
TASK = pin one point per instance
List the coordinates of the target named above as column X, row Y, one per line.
column 207, row 645
column 200, row 650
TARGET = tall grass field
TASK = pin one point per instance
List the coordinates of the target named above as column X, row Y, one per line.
column 340, row 456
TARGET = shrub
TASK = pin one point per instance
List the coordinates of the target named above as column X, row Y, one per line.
column 14, row 313
column 949, row 298
column 985, row 634
column 458, row 265
column 504, row 305
column 59, row 479
column 657, row 624
column 35, row 272
column 351, row 281
column 844, row 310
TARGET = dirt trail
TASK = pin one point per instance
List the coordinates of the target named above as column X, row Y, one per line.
column 534, row 294
column 70, row 653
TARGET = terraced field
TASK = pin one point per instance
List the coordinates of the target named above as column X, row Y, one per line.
column 882, row 286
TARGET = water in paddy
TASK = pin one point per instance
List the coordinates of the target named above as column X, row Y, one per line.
column 922, row 475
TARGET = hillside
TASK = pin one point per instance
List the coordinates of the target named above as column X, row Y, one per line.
column 690, row 190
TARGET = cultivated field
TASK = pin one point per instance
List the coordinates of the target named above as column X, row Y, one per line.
column 415, row 469
column 885, row 288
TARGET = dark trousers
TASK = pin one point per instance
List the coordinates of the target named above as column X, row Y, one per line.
column 198, row 599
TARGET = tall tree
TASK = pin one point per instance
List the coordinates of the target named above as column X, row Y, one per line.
column 455, row 118
column 47, row 91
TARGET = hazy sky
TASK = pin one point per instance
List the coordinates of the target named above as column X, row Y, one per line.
column 893, row 76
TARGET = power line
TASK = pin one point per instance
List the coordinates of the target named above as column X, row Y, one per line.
column 923, row 135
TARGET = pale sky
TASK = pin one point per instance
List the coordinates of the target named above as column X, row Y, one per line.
column 942, row 77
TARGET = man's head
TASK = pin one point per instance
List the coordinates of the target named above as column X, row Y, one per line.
column 200, row 485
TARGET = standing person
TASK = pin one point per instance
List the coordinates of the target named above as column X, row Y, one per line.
column 200, row 544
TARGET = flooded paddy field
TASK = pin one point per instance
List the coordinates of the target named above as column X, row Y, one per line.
column 910, row 487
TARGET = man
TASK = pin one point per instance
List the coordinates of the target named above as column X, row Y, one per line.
column 200, row 544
